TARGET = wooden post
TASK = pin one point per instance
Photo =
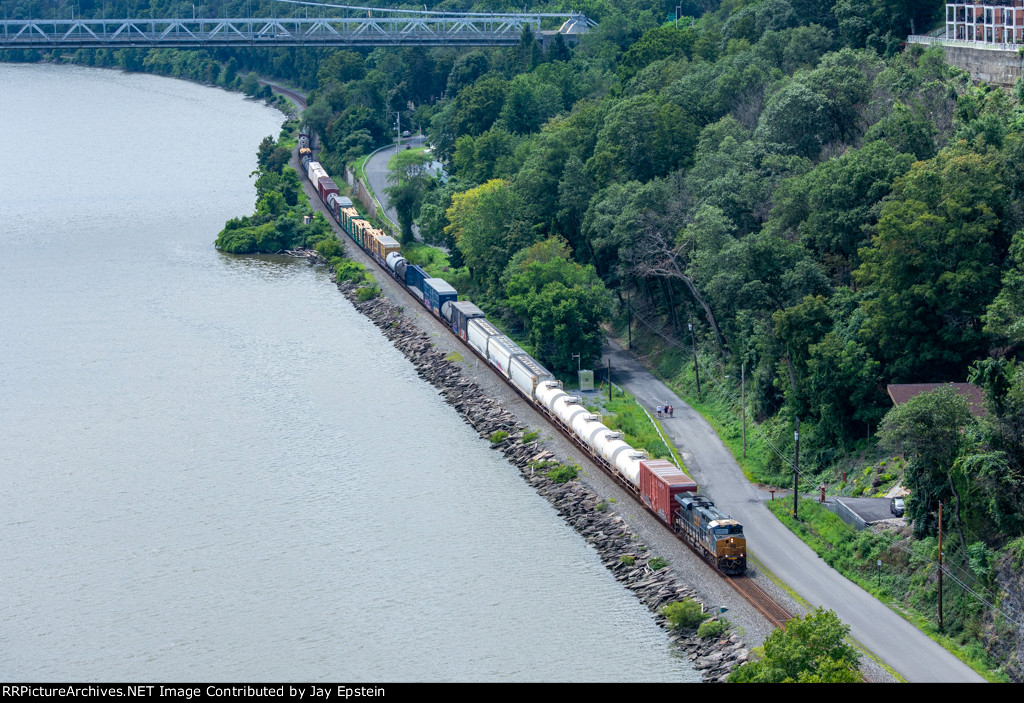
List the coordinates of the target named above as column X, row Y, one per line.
column 940, row 566
column 743, row 404
column 629, row 322
column 796, row 466
column 693, row 345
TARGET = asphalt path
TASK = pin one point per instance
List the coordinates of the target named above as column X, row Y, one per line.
column 880, row 631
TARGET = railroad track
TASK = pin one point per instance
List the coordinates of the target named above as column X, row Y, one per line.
column 756, row 596
column 747, row 588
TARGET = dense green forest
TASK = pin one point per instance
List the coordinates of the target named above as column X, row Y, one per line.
column 834, row 211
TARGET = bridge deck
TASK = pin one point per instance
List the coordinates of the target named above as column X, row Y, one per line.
column 468, row 30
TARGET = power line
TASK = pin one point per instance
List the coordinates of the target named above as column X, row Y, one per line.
column 707, row 372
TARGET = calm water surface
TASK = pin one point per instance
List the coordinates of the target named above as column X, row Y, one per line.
column 213, row 468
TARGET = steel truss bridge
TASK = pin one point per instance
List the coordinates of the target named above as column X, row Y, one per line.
column 378, row 27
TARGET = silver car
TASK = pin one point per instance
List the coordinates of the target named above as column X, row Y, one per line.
column 896, row 506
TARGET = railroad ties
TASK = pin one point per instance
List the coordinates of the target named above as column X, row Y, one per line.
column 620, row 550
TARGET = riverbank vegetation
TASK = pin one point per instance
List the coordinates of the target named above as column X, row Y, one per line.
column 283, row 218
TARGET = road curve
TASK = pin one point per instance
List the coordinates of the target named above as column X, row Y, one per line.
column 883, row 633
column 377, row 177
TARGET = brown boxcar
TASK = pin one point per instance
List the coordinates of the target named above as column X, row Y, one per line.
column 660, row 482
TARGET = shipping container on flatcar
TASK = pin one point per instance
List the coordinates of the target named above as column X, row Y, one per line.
column 380, row 245
column 437, row 292
column 336, row 203
column 458, row 313
column 660, row 482
column 327, row 187
column 414, row 277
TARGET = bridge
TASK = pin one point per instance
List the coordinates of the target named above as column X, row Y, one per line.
column 377, row 27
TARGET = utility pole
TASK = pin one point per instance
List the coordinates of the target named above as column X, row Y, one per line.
column 796, row 465
column 743, row 404
column 629, row 322
column 609, row 379
column 693, row 345
column 940, row 566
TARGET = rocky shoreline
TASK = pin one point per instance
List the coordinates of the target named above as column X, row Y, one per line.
column 621, row 552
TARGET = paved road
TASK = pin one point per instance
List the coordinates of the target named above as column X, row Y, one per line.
column 377, row 177
column 883, row 633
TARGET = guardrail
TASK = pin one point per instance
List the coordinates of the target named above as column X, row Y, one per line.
column 963, row 43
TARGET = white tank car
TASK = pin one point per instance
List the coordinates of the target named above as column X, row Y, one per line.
column 587, row 427
column 394, row 258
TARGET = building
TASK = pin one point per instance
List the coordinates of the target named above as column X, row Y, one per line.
column 994, row 22
column 900, row 393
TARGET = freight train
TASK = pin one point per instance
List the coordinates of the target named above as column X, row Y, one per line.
column 663, row 488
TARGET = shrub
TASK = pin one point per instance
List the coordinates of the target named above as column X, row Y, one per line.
column 713, row 628
column 684, row 614
column 498, row 436
column 530, row 436
column 627, row 559
column 657, row 563
column 349, row 270
column 562, row 473
column 367, row 293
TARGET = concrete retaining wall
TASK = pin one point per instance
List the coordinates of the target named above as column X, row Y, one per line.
column 989, row 65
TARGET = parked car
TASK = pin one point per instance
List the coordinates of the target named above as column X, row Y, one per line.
column 896, row 506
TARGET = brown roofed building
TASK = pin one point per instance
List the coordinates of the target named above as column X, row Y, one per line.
column 900, row 393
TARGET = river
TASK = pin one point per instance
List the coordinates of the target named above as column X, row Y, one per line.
column 214, row 468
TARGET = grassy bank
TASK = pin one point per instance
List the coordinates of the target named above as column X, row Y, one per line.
column 905, row 580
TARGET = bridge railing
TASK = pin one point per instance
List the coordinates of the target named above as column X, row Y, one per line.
column 416, row 29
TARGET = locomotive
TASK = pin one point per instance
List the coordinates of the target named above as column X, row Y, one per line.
column 665, row 490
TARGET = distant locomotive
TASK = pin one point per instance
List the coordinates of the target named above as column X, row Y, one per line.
column 660, row 485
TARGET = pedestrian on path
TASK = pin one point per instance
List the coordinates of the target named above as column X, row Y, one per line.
column 659, row 411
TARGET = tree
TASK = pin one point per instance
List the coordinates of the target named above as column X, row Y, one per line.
column 487, row 228
column 797, row 118
column 1005, row 315
column 561, row 303
column 932, row 267
column 408, row 177
column 831, row 207
column 929, row 429
column 812, row 649
column 476, row 107
column 643, row 137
